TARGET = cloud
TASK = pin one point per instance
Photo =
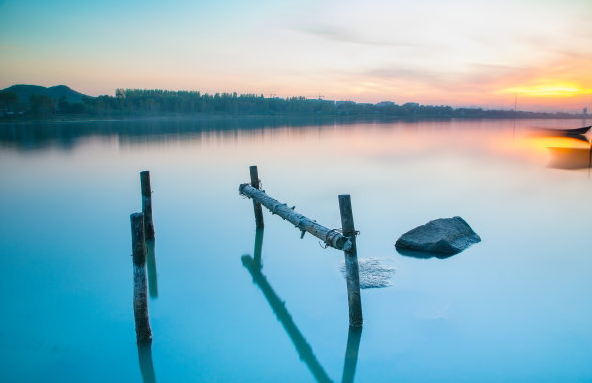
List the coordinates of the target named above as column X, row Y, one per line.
column 343, row 35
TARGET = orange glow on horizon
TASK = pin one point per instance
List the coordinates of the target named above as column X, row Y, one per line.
column 550, row 90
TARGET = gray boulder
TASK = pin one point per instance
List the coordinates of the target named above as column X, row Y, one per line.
column 441, row 236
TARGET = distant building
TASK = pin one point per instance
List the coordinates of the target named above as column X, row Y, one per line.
column 382, row 104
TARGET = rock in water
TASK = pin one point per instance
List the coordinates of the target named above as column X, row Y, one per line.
column 443, row 236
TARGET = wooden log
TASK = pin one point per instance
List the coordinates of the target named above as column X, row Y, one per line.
column 331, row 237
column 279, row 308
column 256, row 183
column 143, row 331
column 147, row 204
column 352, row 275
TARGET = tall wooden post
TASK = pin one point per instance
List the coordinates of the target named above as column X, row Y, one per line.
column 256, row 183
column 147, row 204
column 351, row 262
column 143, row 331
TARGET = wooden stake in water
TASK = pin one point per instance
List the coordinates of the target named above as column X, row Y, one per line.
column 352, row 275
column 256, row 183
column 143, row 331
column 147, row 204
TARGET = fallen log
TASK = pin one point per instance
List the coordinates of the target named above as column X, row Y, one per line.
column 331, row 237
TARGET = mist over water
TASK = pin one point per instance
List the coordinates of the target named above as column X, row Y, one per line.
column 513, row 307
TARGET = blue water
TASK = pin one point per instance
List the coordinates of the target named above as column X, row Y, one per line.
column 514, row 307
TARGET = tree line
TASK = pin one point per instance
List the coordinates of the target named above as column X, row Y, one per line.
column 156, row 102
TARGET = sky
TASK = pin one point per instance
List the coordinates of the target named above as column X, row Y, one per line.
column 491, row 54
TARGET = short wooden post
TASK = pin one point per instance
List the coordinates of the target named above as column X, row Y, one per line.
column 147, row 204
column 351, row 262
column 256, row 183
column 143, row 331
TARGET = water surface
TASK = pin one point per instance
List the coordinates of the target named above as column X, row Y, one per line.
column 514, row 307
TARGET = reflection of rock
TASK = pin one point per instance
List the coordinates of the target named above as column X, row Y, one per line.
column 442, row 236
column 373, row 274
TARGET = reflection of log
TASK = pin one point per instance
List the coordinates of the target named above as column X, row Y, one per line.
column 351, row 354
column 151, row 267
column 146, row 364
column 302, row 347
column 143, row 331
column 330, row 236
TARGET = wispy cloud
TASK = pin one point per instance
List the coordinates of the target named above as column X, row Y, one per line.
column 343, row 35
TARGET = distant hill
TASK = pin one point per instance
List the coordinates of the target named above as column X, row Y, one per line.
column 24, row 92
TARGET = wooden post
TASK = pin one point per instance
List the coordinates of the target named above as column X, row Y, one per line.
column 143, row 331
column 147, row 204
column 351, row 262
column 256, row 183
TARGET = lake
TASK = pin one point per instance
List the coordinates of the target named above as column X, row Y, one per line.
column 514, row 307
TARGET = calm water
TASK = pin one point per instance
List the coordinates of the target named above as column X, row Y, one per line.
column 515, row 307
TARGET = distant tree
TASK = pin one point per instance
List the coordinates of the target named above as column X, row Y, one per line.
column 8, row 101
column 41, row 106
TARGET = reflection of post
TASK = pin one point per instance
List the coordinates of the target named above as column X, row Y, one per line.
column 146, row 365
column 151, row 266
column 256, row 183
column 258, row 246
column 351, row 354
column 147, row 204
column 143, row 331
column 351, row 263
column 302, row 347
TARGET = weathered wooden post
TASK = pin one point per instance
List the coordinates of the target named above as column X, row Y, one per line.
column 147, row 204
column 256, row 183
column 352, row 275
column 143, row 331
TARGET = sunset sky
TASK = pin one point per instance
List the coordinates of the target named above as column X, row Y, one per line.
column 460, row 53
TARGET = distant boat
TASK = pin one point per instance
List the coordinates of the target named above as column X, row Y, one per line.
column 575, row 131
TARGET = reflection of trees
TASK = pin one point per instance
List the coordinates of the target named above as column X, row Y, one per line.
column 305, row 352
column 67, row 135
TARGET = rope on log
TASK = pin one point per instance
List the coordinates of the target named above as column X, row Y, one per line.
column 331, row 237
